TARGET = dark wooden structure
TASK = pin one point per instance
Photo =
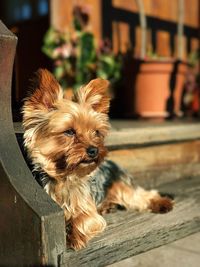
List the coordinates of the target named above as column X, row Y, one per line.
column 32, row 229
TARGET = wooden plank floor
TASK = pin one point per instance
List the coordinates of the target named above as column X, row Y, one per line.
column 130, row 233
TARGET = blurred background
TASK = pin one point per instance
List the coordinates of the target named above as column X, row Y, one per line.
column 148, row 49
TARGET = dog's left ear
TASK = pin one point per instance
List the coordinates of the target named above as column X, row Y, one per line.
column 46, row 91
column 95, row 94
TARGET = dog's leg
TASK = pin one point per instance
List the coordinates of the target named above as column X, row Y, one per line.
column 135, row 198
column 84, row 227
column 83, row 222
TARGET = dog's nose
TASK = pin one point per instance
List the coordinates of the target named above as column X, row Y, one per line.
column 92, row 151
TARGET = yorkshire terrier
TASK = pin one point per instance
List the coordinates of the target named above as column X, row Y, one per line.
column 64, row 139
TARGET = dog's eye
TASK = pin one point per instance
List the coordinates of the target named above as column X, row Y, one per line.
column 70, row 132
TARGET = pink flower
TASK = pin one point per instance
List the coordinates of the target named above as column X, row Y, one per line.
column 66, row 50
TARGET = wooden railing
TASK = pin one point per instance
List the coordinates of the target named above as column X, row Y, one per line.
column 32, row 230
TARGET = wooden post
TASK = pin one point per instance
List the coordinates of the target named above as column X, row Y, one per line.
column 32, row 229
column 143, row 25
column 61, row 15
column 180, row 29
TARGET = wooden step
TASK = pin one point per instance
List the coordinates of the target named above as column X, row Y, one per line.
column 129, row 134
column 156, row 153
column 131, row 233
column 134, row 134
column 152, row 153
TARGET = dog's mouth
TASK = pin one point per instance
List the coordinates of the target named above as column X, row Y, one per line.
column 89, row 161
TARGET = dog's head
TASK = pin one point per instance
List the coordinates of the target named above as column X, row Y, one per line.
column 66, row 136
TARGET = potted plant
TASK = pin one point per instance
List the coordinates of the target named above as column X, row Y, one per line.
column 151, row 88
column 158, row 87
column 75, row 55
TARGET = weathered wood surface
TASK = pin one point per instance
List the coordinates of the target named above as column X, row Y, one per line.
column 32, row 230
column 158, row 164
column 149, row 135
column 151, row 161
column 130, row 233
column 143, row 134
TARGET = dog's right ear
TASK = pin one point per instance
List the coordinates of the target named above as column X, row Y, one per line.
column 95, row 94
column 47, row 91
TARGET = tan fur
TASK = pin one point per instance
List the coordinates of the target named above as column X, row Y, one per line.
column 135, row 198
column 58, row 133
column 47, row 122
column 95, row 94
column 80, row 210
column 47, row 115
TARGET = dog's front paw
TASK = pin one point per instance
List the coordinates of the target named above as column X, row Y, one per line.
column 161, row 205
column 75, row 239
column 75, row 244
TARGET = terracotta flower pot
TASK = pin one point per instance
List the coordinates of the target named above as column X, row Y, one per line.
column 152, row 88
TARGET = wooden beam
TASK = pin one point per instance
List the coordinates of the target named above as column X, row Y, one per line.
column 32, row 228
